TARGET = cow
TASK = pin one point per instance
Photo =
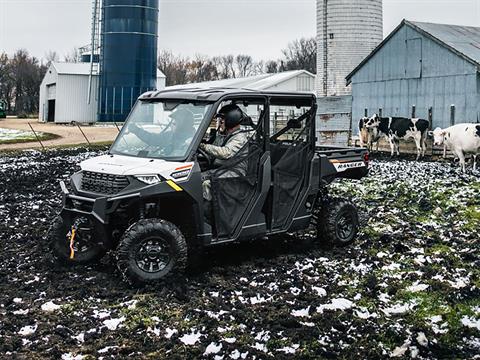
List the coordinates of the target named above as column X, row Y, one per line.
column 461, row 139
column 396, row 128
column 367, row 135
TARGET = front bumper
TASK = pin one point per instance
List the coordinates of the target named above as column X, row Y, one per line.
column 99, row 207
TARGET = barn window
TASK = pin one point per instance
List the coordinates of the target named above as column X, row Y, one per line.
column 413, row 111
column 331, row 35
column 366, row 112
column 380, row 112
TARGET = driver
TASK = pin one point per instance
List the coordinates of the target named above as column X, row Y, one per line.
column 230, row 117
column 178, row 133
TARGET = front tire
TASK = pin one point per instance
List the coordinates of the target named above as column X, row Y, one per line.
column 151, row 250
column 87, row 251
column 338, row 223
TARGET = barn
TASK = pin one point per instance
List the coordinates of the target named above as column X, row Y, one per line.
column 421, row 70
column 64, row 93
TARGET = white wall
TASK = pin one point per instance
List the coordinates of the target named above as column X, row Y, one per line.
column 71, row 102
column 49, row 78
column 302, row 83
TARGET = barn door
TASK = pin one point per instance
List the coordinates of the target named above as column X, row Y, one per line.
column 414, row 58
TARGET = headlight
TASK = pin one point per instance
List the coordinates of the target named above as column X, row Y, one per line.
column 148, row 179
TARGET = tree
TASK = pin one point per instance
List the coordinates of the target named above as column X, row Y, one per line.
column 244, row 65
column 7, row 81
column 301, row 55
column 51, row 56
column 174, row 67
column 73, row 56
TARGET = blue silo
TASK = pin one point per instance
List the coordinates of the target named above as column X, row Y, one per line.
column 128, row 59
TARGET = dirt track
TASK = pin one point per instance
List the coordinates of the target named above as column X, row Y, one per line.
column 69, row 134
column 409, row 287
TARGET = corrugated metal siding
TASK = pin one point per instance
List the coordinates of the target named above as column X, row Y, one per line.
column 334, row 120
column 49, row 78
column 389, row 81
column 71, row 101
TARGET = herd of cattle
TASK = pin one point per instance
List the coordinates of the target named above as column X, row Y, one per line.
column 460, row 139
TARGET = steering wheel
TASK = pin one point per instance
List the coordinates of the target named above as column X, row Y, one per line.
column 203, row 156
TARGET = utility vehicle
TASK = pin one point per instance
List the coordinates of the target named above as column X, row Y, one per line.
column 144, row 198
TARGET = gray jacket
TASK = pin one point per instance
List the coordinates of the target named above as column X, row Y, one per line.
column 233, row 143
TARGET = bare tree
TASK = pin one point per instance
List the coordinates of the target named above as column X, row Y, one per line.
column 271, row 67
column 7, row 81
column 244, row 65
column 174, row 67
column 301, row 55
column 73, row 56
column 51, row 56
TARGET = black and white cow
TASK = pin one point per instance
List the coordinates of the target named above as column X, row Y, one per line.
column 367, row 135
column 396, row 128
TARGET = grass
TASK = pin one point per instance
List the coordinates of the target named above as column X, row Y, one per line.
column 31, row 138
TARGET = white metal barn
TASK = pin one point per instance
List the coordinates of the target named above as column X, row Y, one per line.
column 64, row 93
column 295, row 80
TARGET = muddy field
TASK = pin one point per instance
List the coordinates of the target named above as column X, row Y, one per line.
column 409, row 287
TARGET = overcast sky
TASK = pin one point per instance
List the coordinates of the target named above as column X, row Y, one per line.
column 260, row 28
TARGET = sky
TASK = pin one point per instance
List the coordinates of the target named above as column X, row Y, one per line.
column 260, row 28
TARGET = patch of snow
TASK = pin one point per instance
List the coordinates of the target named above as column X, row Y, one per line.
column 260, row 347
column 398, row 309
column 21, row 312
column 50, row 307
column 301, row 312
column 320, row 291
column 289, row 349
column 422, row 339
column 417, row 287
column 17, row 300
column 27, row 330
column 336, row 304
column 106, row 349
column 212, row 348
column 113, row 324
column 192, row 338
column 230, row 340
column 101, row 314
column 471, row 322
column 169, row 332
column 400, row 350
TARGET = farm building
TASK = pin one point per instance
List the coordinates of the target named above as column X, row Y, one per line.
column 64, row 93
column 295, row 80
column 421, row 70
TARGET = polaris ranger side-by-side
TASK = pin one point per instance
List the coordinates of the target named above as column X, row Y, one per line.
column 144, row 198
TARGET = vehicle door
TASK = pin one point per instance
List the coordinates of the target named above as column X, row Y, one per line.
column 292, row 145
column 235, row 184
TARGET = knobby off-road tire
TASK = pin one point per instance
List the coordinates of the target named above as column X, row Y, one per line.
column 58, row 239
column 151, row 250
column 338, row 222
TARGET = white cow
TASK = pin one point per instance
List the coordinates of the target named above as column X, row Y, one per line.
column 461, row 139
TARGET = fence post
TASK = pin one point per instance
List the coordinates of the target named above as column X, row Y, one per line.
column 38, row 139
column 83, row 133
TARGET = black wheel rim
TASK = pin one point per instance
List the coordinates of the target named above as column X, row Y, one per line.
column 83, row 240
column 153, row 254
column 345, row 226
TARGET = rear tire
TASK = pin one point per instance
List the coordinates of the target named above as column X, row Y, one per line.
column 151, row 250
column 338, row 222
column 87, row 251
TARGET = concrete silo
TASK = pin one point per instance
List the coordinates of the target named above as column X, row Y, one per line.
column 347, row 31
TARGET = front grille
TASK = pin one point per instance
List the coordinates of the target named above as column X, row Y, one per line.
column 103, row 183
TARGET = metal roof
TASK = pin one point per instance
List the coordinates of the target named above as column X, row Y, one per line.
column 464, row 41
column 80, row 68
column 257, row 82
column 215, row 93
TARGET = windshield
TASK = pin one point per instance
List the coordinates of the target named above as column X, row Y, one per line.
column 162, row 130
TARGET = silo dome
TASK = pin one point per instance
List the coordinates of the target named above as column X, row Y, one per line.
column 347, row 31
